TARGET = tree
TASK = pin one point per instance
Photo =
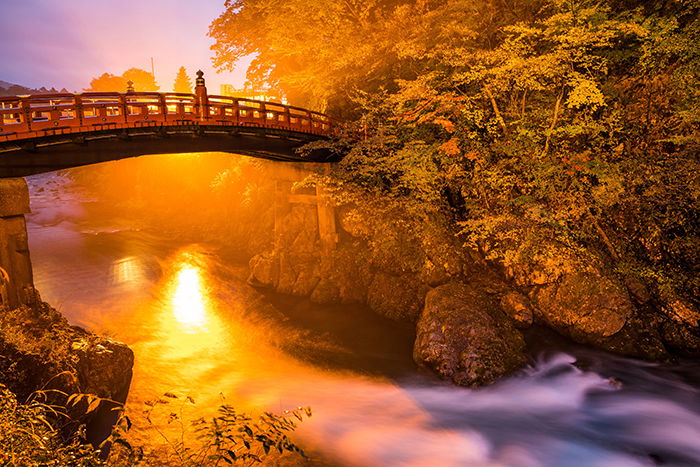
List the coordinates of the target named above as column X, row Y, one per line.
column 572, row 120
column 182, row 82
column 321, row 59
column 314, row 59
column 107, row 82
column 143, row 80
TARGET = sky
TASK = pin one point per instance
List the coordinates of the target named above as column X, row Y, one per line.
column 66, row 43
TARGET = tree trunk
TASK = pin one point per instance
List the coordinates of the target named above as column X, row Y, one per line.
column 555, row 118
column 499, row 118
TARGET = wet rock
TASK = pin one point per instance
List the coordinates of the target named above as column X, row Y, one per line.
column 517, row 306
column 36, row 344
column 264, row 270
column 584, row 306
column 350, row 271
column 103, row 366
column 615, row 383
column 463, row 335
column 638, row 338
column 308, row 275
column 325, row 292
column 433, row 274
column 637, row 290
column 396, row 297
column 40, row 350
column 682, row 312
column 681, row 338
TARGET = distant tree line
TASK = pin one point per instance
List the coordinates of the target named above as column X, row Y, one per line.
column 142, row 80
column 17, row 90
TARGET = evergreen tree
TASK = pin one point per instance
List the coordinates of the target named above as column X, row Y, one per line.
column 182, row 82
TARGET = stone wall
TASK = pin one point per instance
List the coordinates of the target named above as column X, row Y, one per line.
column 16, row 281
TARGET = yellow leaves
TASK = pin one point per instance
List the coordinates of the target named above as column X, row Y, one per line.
column 585, row 93
column 451, row 147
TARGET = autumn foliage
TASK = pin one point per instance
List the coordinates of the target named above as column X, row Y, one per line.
column 571, row 121
column 142, row 81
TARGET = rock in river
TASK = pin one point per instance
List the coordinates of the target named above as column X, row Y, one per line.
column 462, row 334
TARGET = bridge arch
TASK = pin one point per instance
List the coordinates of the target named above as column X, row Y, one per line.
column 46, row 132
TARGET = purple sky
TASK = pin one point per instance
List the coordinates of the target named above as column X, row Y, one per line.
column 65, row 43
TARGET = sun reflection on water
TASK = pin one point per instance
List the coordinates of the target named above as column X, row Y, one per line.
column 188, row 300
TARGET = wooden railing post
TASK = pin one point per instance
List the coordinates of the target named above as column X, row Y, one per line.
column 201, row 99
column 163, row 107
column 26, row 109
column 124, row 108
column 78, row 108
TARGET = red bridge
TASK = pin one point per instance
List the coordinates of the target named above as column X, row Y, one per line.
column 46, row 132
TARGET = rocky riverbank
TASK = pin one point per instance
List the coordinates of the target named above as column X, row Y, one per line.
column 469, row 310
column 41, row 351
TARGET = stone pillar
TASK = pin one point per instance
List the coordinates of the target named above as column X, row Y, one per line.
column 16, row 280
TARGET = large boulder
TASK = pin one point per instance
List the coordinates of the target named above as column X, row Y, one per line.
column 396, row 297
column 40, row 350
column 585, row 306
column 462, row 334
column 264, row 270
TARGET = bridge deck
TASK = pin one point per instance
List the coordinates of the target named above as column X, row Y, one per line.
column 46, row 132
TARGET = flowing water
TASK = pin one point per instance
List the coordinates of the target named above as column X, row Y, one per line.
column 198, row 329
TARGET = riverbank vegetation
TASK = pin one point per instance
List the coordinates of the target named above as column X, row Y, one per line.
column 528, row 124
column 40, row 432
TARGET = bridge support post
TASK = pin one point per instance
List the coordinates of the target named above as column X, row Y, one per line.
column 201, row 98
column 16, row 280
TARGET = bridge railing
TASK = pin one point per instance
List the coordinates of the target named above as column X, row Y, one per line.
column 25, row 117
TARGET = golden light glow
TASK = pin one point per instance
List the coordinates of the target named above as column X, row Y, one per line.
column 189, row 302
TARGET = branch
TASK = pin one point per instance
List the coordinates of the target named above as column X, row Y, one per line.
column 555, row 118
column 606, row 240
column 494, row 104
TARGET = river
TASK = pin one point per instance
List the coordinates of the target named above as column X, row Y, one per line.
column 197, row 329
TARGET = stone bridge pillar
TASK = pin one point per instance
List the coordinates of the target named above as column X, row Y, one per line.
column 16, row 281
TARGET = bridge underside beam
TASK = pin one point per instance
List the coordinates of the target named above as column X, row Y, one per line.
column 55, row 152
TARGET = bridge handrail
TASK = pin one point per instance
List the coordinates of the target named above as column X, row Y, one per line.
column 31, row 116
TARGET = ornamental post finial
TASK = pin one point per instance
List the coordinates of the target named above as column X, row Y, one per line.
column 200, row 78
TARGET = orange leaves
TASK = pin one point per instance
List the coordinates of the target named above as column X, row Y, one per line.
column 451, row 147
column 576, row 163
column 445, row 123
